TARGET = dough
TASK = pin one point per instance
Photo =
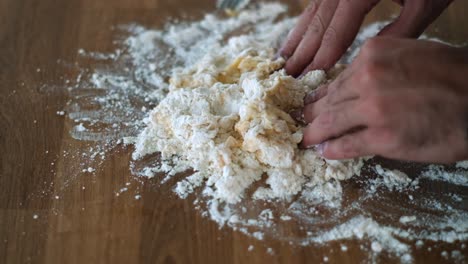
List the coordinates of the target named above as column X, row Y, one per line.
column 227, row 117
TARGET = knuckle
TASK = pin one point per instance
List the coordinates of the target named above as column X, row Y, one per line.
column 287, row 50
column 343, row 6
column 293, row 65
column 316, row 25
column 331, row 154
column 330, row 36
column 312, row 7
column 333, row 86
column 372, row 47
column 327, row 119
column 370, row 74
column 332, row 97
column 308, row 113
column 306, row 138
column 291, row 61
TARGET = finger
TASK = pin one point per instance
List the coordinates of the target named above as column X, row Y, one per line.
column 340, row 34
column 296, row 34
column 311, row 111
column 337, row 70
column 310, row 43
column 316, row 94
column 298, row 116
column 332, row 123
column 415, row 16
column 338, row 95
column 342, row 97
column 336, row 89
column 353, row 145
column 324, row 89
column 331, row 97
column 340, row 73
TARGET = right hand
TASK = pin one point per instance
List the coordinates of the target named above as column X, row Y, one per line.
column 327, row 28
column 400, row 99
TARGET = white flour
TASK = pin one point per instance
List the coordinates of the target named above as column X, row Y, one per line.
column 459, row 176
column 224, row 113
column 227, row 118
column 392, row 179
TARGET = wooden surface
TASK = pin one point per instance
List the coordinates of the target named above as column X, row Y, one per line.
column 79, row 218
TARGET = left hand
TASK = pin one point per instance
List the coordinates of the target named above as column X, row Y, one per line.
column 327, row 28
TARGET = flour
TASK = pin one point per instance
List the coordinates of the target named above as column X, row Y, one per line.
column 361, row 227
column 462, row 164
column 209, row 97
column 227, row 118
column 393, row 179
column 457, row 177
column 406, row 219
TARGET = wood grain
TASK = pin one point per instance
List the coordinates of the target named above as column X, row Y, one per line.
column 88, row 223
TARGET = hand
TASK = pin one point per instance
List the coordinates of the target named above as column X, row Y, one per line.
column 400, row 99
column 327, row 28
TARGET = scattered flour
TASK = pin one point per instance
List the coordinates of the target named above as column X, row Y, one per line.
column 285, row 217
column 224, row 115
column 436, row 172
column 407, row 219
column 80, row 127
column 393, row 179
column 376, row 247
column 344, row 248
column 270, row 251
column 462, row 164
column 360, row 227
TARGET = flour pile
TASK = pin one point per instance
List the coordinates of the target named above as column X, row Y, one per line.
column 227, row 118
column 220, row 133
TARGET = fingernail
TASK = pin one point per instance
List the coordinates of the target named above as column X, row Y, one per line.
column 310, row 97
column 298, row 116
column 321, row 147
column 304, row 146
column 278, row 55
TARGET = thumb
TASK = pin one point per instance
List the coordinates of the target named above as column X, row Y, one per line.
column 414, row 18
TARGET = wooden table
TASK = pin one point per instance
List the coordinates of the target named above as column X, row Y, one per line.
column 48, row 215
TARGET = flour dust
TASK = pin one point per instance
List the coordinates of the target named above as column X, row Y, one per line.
column 119, row 100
